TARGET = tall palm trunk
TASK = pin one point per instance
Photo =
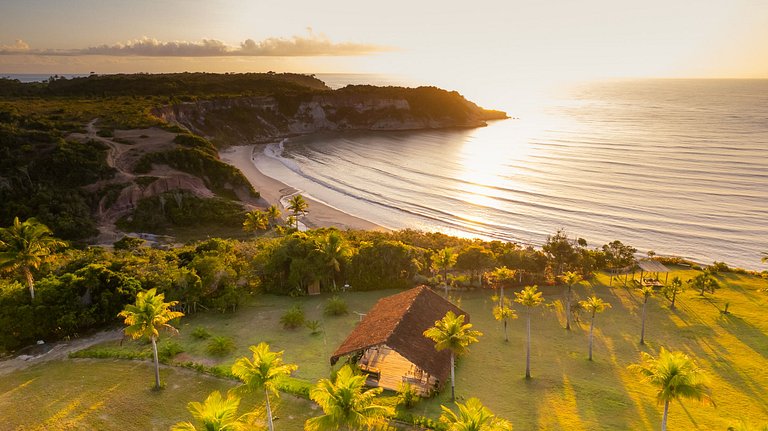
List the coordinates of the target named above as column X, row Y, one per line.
column 591, row 328
column 157, row 362
column 528, row 349
column 30, row 281
column 506, row 337
column 664, row 418
column 453, row 379
column 270, row 423
column 674, row 295
column 642, row 327
column 568, row 309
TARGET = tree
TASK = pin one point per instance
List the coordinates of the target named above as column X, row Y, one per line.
column 453, row 334
column 618, row 256
column 530, row 298
column 24, row 246
column 560, row 250
column 335, row 252
column 647, row 292
column 273, row 215
column 262, row 372
column 570, row 279
column 146, row 317
column 255, row 221
column 443, row 261
column 298, row 206
column 475, row 259
column 675, row 376
column 502, row 277
column 594, row 305
column 704, row 282
column 473, row 416
column 503, row 312
column 345, row 403
column 673, row 289
column 218, row 414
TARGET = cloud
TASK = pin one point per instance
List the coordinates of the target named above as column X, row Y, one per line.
column 18, row 47
column 311, row 45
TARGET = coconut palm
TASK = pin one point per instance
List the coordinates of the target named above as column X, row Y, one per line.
column 673, row 289
column 594, row 305
column 675, row 376
column 503, row 312
column 345, row 403
column 255, row 221
column 647, row 292
column 273, row 214
column 570, row 278
column 453, row 334
column 502, row 277
column 473, row 416
column 146, row 317
column 334, row 250
column 24, row 246
column 444, row 260
column 530, row 298
column 218, row 414
column 298, row 206
column 262, row 372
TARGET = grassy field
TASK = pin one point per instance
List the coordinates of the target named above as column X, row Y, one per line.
column 567, row 391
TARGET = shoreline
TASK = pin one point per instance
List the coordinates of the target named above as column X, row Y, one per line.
column 274, row 192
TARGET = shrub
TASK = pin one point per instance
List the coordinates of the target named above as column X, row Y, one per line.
column 336, row 306
column 200, row 333
column 314, row 326
column 220, row 346
column 293, row 318
column 407, row 395
column 168, row 350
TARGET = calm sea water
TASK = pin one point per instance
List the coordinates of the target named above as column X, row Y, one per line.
column 675, row 166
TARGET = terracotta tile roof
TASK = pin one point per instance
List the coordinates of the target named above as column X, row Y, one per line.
column 399, row 321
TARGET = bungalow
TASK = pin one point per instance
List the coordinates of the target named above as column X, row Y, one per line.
column 389, row 343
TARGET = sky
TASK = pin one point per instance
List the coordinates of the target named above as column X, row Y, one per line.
column 445, row 42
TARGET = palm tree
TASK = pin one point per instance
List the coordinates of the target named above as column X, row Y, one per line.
column 217, row 414
column 273, row 214
column 298, row 206
column 262, row 372
column 444, row 260
column 335, row 251
column 647, row 292
column 594, row 305
column 673, row 288
column 473, row 416
column 675, row 376
column 503, row 312
column 146, row 317
column 570, row 278
column 704, row 282
column 530, row 298
column 25, row 246
column 502, row 277
column 255, row 221
column 345, row 403
column 453, row 334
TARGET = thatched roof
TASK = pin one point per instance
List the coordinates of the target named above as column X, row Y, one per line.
column 399, row 321
column 648, row 265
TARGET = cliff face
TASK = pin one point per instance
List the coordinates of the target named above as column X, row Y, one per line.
column 244, row 120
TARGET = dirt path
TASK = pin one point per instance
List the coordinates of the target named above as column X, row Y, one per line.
column 56, row 351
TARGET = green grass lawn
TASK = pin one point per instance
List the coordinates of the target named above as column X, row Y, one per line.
column 107, row 394
column 567, row 391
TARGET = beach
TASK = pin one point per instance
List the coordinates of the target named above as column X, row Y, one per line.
column 274, row 192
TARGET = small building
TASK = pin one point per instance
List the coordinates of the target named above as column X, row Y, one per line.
column 389, row 343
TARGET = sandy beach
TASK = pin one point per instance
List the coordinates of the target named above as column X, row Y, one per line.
column 273, row 191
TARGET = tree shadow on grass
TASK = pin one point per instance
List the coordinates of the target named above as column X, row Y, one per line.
column 747, row 333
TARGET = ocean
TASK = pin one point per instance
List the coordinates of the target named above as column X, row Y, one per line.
column 679, row 167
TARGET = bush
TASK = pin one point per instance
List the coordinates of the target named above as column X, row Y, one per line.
column 200, row 333
column 293, row 318
column 168, row 350
column 314, row 326
column 220, row 346
column 336, row 306
column 407, row 395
